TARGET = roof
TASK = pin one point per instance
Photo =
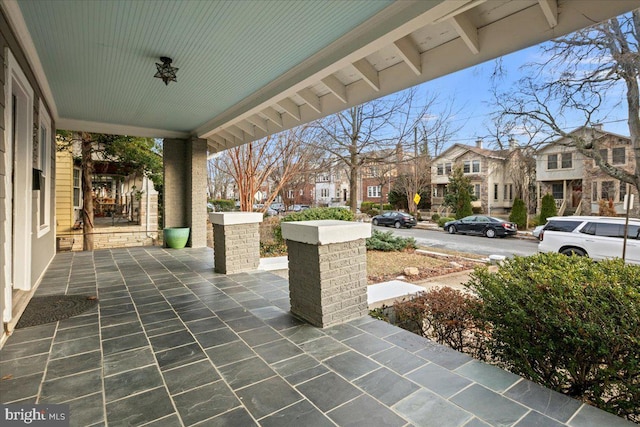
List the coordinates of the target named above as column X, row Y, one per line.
column 251, row 68
column 601, row 131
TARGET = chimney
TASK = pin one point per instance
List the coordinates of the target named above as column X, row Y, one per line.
column 479, row 143
column 513, row 144
column 597, row 126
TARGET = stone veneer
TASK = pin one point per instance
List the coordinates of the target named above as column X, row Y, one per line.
column 236, row 241
column 327, row 270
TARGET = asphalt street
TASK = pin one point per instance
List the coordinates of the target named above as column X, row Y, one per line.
column 508, row 246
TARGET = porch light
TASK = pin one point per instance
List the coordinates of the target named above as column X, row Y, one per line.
column 165, row 71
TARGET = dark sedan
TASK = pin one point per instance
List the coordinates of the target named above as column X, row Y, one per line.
column 397, row 219
column 480, row 224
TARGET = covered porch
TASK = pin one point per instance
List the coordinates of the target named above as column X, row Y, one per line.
column 173, row 343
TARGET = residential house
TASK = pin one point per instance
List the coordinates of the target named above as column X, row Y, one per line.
column 575, row 181
column 495, row 176
column 331, row 183
column 125, row 204
column 379, row 172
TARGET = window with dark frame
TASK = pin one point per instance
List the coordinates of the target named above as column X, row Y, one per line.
column 623, row 191
column 618, row 156
column 466, row 167
column 495, row 191
column 557, row 190
column 552, row 161
column 567, row 161
column 607, row 190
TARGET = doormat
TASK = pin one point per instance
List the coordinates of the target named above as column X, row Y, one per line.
column 52, row 308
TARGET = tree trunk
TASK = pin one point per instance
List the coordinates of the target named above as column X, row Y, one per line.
column 87, row 193
column 353, row 187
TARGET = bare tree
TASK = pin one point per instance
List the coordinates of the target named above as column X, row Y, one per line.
column 218, row 182
column 274, row 160
column 354, row 135
column 579, row 73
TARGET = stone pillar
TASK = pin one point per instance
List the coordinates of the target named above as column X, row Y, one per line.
column 236, row 241
column 327, row 270
column 185, row 187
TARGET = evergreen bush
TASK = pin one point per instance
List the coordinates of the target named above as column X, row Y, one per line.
column 548, row 208
column 519, row 213
column 387, row 242
column 444, row 219
column 567, row 323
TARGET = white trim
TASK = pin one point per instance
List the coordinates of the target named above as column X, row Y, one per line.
column 16, row 20
column 97, row 127
column 17, row 248
column 44, row 122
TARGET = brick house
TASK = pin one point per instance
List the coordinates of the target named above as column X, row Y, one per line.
column 575, row 181
column 495, row 176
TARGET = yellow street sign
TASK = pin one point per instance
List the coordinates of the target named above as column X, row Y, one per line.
column 416, row 198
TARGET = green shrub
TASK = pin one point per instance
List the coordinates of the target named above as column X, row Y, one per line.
column 367, row 207
column 519, row 213
column 320, row 213
column 224, row 205
column 444, row 219
column 435, row 217
column 387, row 242
column 475, row 210
column 567, row 323
column 547, row 208
column 386, row 207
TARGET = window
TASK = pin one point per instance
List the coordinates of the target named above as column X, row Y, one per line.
column 510, row 191
column 505, row 192
column 594, row 191
column 440, row 169
column 558, row 191
column 567, row 161
column 623, row 191
column 447, row 168
column 495, row 191
column 618, row 156
column 476, row 190
column 552, row 161
column 373, row 191
column 607, row 190
column 562, row 225
column 302, row 192
column 475, row 166
column 324, row 192
column 290, row 194
column 44, row 164
column 466, row 168
column 76, row 188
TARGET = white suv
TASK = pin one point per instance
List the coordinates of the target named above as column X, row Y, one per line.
column 593, row 236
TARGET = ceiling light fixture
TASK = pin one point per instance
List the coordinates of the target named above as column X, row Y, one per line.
column 165, row 71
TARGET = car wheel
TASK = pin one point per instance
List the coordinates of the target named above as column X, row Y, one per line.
column 397, row 224
column 452, row 229
column 375, row 221
column 490, row 233
column 573, row 251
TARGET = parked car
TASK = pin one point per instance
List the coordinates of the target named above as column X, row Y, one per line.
column 397, row 219
column 298, row 208
column 481, row 224
column 536, row 231
column 592, row 236
column 271, row 212
column 279, row 207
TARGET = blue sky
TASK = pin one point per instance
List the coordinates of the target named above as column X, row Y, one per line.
column 470, row 88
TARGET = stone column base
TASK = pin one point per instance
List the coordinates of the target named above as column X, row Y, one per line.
column 236, row 242
column 327, row 270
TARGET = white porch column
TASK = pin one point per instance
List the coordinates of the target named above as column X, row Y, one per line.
column 185, row 187
column 236, row 241
column 327, row 270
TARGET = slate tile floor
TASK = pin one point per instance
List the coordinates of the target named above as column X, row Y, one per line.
column 174, row 344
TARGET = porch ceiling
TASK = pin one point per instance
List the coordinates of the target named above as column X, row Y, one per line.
column 252, row 68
